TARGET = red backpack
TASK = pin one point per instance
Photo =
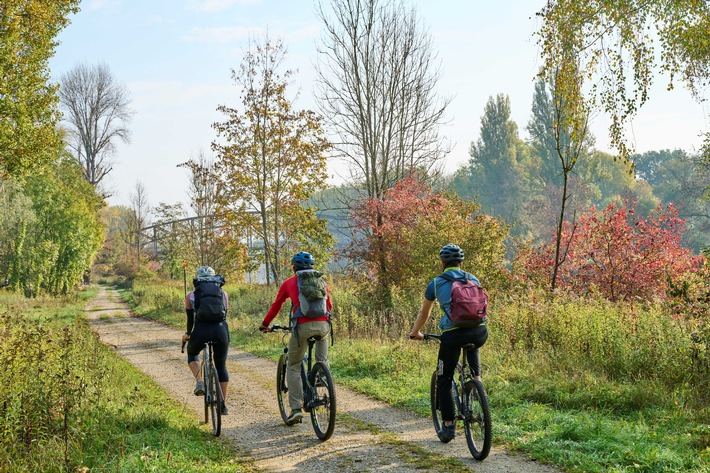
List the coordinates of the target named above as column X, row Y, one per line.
column 469, row 302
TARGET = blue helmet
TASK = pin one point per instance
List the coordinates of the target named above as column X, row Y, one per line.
column 451, row 254
column 303, row 260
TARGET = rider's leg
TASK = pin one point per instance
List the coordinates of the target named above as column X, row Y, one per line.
column 477, row 336
column 448, row 358
column 297, row 346
column 323, row 329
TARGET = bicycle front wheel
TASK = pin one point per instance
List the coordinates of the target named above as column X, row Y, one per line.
column 215, row 401
column 323, row 401
column 282, row 386
column 205, row 372
column 477, row 419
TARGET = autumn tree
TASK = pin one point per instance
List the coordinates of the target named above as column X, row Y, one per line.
column 96, row 110
column 417, row 222
column 616, row 253
column 377, row 79
column 29, row 138
column 614, row 42
column 271, row 158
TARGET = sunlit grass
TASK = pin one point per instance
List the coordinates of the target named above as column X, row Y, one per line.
column 582, row 384
column 70, row 404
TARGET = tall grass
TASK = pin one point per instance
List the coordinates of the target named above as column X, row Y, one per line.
column 68, row 404
column 581, row 383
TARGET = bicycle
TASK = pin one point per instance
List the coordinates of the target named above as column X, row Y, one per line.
column 470, row 404
column 318, row 388
column 213, row 391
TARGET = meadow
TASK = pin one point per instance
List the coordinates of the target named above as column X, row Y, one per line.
column 584, row 384
column 68, row 404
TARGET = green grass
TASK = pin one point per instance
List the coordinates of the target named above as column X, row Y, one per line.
column 67, row 403
column 584, row 385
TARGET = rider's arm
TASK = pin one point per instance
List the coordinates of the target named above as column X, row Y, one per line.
column 190, row 311
column 276, row 306
column 422, row 318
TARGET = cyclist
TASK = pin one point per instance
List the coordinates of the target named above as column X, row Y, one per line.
column 452, row 338
column 303, row 329
column 209, row 324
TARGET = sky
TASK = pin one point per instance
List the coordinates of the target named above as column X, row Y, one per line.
column 175, row 58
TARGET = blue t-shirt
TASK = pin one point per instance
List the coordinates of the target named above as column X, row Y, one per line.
column 440, row 289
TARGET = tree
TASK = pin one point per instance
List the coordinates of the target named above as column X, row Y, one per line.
column 377, row 82
column 137, row 221
column 28, row 112
column 417, row 223
column 492, row 174
column 617, row 254
column 50, row 230
column 272, row 158
column 96, row 108
column 613, row 42
column 210, row 237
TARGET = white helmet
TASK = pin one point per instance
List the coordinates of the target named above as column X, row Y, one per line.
column 204, row 271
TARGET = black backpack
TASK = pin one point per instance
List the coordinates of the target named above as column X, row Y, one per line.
column 209, row 299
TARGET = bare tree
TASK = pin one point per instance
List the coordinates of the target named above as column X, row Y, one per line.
column 96, row 108
column 377, row 87
column 138, row 219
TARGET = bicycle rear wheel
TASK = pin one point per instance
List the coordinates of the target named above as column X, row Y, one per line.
column 477, row 419
column 215, row 401
column 323, row 404
column 435, row 403
column 282, row 386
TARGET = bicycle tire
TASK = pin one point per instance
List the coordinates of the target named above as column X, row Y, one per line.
column 435, row 406
column 323, row 408
column 477, row 421
column 215, row 401
column 205, row 371
column 282, row 386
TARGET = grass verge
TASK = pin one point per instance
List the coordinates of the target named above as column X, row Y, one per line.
column 67, row 403
column 556, row 408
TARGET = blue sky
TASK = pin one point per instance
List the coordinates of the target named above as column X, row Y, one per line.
column 175, row 58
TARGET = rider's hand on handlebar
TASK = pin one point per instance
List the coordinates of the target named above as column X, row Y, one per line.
column 185, row 337
column 416, row 336
column 264, row 328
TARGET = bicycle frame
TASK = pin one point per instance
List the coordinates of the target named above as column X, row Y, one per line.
column 318, row 389
column 470, row 404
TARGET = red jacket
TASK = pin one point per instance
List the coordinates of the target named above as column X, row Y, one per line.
column 289, row 290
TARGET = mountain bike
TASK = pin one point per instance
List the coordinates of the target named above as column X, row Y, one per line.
column 318, row 388
column 470, row 404
column 213, row 391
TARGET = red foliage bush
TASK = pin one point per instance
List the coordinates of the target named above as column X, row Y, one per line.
column 617, row 254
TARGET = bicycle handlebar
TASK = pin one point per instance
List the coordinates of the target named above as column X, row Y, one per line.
column 182, row 350
column 432, row 336
column 285, row 328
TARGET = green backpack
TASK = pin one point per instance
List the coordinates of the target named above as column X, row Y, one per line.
column 312, row 294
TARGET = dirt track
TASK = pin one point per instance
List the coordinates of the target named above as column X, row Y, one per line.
column 255, row 424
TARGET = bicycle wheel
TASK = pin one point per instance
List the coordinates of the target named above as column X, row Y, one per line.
column 477, row 419
column 435, row 404
column 215, row 401
column 323, row 404
column 282, row 386
column 205, row 370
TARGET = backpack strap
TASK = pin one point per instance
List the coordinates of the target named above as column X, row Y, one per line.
column 450, row 277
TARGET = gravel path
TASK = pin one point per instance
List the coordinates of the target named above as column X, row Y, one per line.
column 369, row 435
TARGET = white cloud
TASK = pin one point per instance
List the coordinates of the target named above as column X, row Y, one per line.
column 219, row 5
column 104, row 4
column 222, row 34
